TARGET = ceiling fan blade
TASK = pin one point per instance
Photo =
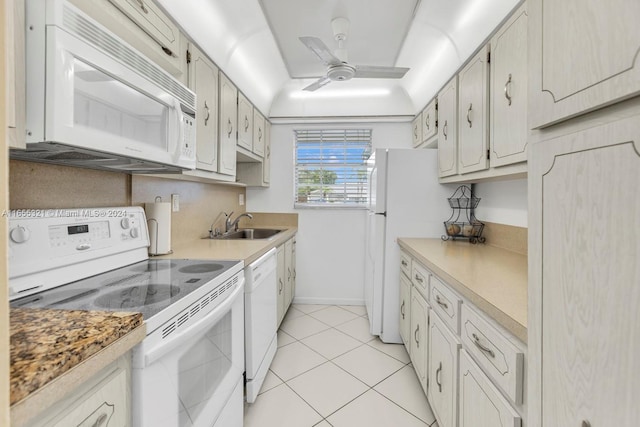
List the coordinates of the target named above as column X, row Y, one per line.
column 318, row 47
column 322, row 81
column 375, row 72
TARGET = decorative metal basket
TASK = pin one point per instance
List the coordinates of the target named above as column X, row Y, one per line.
column 462, row 224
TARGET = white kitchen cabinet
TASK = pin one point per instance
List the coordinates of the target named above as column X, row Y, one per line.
column 15, row 73
column 430, row 121
column 228, row 132
column 258, row 133
column 509, row 77
column 266, row 161
column 416, row 130
column 443, row 372
column 143, row 25
column 584, row 217
column 405, row 311
column 447, row 129
column 281, row 276
column 481, row 404
column 103, row 400
column 419, row 353
column 245, row 122
column 473, row 107
column 203, row 80
column 584, row 54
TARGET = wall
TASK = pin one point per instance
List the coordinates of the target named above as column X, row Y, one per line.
column 503, row 202
column 330, row 243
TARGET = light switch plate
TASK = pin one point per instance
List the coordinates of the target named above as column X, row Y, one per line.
column 175, row 203
column 241, row 199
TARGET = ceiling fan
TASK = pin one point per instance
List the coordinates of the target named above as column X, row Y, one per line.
column 338, row 69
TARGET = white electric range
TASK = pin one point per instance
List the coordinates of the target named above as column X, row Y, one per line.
column 188, row 370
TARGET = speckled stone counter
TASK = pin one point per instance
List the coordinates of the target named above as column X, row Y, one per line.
column 492, row 278
column 48, row 344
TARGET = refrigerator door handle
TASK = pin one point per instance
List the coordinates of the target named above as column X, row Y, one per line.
column 381, row 213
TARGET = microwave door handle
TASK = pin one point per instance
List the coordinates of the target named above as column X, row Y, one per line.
column 177, row 113
column 184, row 336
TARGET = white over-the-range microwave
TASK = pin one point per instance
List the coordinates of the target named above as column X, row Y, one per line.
column 94, row 101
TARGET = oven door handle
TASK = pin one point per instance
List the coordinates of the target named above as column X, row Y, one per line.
column 199, row 327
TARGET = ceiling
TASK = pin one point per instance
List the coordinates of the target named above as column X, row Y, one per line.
column 255, row 42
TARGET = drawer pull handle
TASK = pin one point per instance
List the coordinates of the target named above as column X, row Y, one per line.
column 229, row 128
column 441, row 303
column 246, row 123
column 415, row 335
column 415, row 131
column 506, row 92
column 419, row 279
column 476, row 341
column 404, row 263
column 101, row 419
column 259, row 134
column 280, row 288
column 402, row 309
column 426, row 122
column 438, row 372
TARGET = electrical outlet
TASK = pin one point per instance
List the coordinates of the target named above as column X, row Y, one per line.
column 241, row 199
column 175, row 202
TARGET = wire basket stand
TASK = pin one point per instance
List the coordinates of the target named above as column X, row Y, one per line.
column 463, row 224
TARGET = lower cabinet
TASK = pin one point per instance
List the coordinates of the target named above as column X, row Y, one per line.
column 481, row 404
column 286, row 276
column 405, row 311
column 443, row 372
column 418, row 336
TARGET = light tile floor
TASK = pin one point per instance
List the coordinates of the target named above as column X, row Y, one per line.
column 329, row 371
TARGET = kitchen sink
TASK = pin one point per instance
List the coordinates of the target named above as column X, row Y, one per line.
column 249, row 234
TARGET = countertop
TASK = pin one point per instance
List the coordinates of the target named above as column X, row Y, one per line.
column 45, row 344
column 224, row 249
column 492, row 278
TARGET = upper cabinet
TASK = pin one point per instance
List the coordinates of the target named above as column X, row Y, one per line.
column 416, row 130
column 430, row 121
column 258, row 133
column 587, row 54
column 473, row 123
column 447, row 129
column 509, row 92
column 245, row 123
column 144, row 26
column 203, row 80
column 227, row 126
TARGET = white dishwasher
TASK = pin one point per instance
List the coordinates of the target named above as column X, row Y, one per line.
column 260, row 328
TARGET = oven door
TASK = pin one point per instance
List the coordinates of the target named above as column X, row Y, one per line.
column 189, row 379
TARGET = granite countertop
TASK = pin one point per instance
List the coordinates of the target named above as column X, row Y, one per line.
column 223, row 249
column 492, row 278
column 47, row 343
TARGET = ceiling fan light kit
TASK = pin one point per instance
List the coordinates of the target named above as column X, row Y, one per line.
column 337, row 67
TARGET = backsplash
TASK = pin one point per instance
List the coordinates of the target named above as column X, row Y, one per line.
column 40, row 186
column 506, row 236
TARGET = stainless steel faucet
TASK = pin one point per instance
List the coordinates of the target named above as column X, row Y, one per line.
column 233, row 225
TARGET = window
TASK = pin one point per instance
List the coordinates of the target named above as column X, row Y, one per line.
column 331, row 167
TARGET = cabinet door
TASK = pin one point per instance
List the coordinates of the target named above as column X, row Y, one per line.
column 288, row 266
column 419, row 313
column 280, row 269
column 481, row 404
column 266, row 161
column 15, row 73
column 447, row 129
column 584, row 55
column 508, row 127
column 405, row 311
column 416, row 130
column 443, row 372
column 473, row 104
column 203, row 80
column 146, row 27
column 430, row 120
column 583, row 321
column 245, row 122
column 258, row 133
column 227, row 126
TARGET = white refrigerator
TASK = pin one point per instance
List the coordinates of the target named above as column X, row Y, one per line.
column 405, row 200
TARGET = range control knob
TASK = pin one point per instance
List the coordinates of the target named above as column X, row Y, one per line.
column 124, row 223
column 20, row 234
column 134, row 233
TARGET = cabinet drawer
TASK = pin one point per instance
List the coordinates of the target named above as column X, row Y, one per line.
column 405, row 263
column 500, row 359
column 445, row 303
column 420, row 278
column 480, row 400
